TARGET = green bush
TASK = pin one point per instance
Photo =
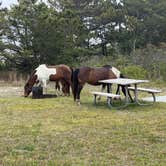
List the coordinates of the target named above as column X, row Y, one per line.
column 121, row 61
column 162, row 69
column 134, row 71
column 3, row 66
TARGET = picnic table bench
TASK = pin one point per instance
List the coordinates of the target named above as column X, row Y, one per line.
column 108, row 95
column 151, row 91
column 126, row 83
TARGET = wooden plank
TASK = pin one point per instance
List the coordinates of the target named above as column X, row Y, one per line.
column 145, row 90
column 106, row 94
column 123, row 81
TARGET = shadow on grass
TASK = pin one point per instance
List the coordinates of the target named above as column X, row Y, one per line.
column 132, row 107
column 45, row 96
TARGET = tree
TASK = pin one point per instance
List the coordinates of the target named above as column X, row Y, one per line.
column 145, row 20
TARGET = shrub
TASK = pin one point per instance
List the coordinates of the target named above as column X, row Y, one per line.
column 162, row 69
column 134, row 71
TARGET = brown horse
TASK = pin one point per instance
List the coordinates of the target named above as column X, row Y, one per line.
column 43, row 74
column 63, row 87
column 92, row 76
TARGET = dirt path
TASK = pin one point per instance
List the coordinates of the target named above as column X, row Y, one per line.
column 7, row 91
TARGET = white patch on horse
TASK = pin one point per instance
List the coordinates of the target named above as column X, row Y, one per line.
column 116, row 72
column 43, row 74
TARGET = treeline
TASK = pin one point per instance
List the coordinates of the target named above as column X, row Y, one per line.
column 68, row 31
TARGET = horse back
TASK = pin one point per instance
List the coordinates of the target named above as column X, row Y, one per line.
column 93, row 75
column 63, row 72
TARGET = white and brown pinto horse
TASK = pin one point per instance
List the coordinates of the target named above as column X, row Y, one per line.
column 92, row 76
column 43, row 74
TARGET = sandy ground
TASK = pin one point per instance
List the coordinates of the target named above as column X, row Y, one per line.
column 7, row 91
column 158, row 99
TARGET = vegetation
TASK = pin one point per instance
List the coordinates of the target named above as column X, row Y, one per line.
column 34, row 32
column 58, row 132
column 126, row 34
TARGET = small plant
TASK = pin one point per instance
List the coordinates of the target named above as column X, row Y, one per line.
column 136, row 72
column 162, row 69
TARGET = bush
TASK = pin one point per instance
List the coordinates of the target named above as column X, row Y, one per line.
column 162, row 69
column 3, row 66
column 134, row 71
column 96, row 61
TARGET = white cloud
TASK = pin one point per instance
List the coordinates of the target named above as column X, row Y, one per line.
column 8, row 3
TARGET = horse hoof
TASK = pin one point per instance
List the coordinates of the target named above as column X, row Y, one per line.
column 78, row 103
column 115, row 98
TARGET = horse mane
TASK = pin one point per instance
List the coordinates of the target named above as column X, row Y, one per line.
column 31, row 75
column 123, row 76
column 107, row 66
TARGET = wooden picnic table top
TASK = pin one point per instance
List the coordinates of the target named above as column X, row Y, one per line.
column 123, row 81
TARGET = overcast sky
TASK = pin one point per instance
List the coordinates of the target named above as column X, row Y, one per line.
column 8, row 3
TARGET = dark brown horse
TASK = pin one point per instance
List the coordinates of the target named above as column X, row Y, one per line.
column 43, row 74
column 92, row 76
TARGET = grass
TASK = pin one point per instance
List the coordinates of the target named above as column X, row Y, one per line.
column 56, row 131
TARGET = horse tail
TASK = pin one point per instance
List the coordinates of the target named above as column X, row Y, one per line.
column 75, row 82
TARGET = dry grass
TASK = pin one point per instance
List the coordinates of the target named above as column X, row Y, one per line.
column 58, row 132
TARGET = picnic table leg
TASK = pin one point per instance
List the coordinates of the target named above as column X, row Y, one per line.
column 126, row 100
column 109, row 102
column 109, row 90
column 135, row 93
column 127, row 95
column 154, row 97
column 150, row 103
column 95, row 99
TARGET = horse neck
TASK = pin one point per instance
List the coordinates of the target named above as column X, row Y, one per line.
column 32, row 80
column 116, row 72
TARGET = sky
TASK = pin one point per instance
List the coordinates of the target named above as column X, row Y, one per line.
column 8, row 3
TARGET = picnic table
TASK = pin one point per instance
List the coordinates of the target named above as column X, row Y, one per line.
column 127, row 85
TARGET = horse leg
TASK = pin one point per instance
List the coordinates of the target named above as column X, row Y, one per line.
column 57, row 87
column 63, row 87
column 124, row 92
column 75, row 83
column 102, row 90
column 118, row 90
column 44, row 82
column 66, row 87
column 68, row 83
column 74, row 90
column 78, row 93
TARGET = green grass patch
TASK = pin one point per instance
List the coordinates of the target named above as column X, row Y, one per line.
column 56, row 131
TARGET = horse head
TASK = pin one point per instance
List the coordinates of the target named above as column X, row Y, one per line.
column 27, row 89
column 28, row 86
